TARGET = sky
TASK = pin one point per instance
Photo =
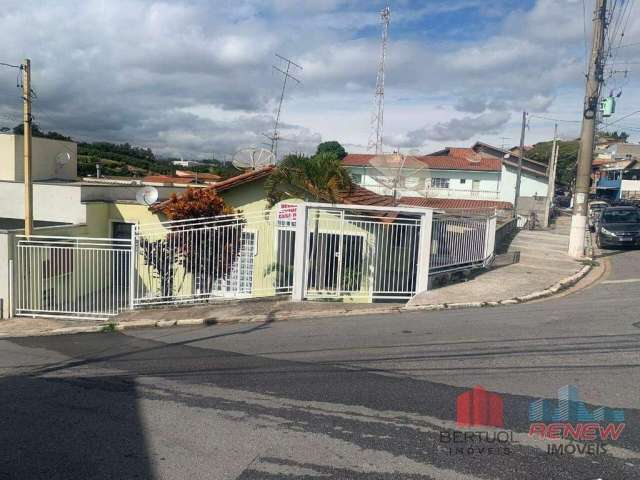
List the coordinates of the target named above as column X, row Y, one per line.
column 194, row 78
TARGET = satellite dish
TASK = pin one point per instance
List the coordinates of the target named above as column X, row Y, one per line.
column 63, row 158
column 399, row 175
column 476, row 157
column 147, row 195
column 252, row 158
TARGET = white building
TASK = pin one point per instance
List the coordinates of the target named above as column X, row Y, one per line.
column 481, row 172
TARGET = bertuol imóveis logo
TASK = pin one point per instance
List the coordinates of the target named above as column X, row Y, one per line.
column 478, row 408
column 575, row 429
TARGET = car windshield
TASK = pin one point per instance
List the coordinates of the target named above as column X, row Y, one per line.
column 621, row 216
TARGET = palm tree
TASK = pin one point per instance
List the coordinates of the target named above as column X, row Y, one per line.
column 321, row 177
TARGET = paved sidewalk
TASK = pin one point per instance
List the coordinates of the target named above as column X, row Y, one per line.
column 543, row 263
column 231, row 311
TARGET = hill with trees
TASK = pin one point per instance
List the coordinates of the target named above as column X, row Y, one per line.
column 125, row 160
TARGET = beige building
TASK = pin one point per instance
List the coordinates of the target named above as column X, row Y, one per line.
column 51, row 159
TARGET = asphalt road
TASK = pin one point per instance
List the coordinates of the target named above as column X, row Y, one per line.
column 345, row 398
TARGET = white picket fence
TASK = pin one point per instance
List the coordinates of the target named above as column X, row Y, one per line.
column 309, row 251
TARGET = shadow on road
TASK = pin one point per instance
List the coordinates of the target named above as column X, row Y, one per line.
column 69, row 429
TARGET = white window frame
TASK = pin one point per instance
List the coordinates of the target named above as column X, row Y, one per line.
column 440, row 182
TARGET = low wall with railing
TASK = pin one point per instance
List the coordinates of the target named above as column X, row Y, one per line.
column 308, row 250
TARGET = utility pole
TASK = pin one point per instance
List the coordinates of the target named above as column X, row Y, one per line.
column 585, row 157
column 553, row 164
column 26, row 134
column 275, row 137
column 520, row 156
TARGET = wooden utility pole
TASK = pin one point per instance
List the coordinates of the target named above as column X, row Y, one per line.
column 587, row 133
column 26, row 134
column 520, row 156
column 551, row 187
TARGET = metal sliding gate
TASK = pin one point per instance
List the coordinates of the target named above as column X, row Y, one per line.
column 361, row 255
column 307, row 250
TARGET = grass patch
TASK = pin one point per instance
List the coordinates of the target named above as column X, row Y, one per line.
column 591, row 263
column 108, row 328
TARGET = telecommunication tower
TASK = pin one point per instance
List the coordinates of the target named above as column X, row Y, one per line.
column 377, row 117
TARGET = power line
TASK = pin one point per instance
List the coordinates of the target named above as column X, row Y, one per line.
column 11, row 65
column 626, row 116
column 626, row 45
column 554, row 119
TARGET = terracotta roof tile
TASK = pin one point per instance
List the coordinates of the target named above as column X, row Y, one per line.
column 228, row 184
column 246, row 177
column 357, row 159
column 448, row 159
column 167, row 179
column 200, row 176
column 452, row 203
column 475, row 162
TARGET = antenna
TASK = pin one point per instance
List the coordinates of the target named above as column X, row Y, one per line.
column 251, row 158
column 377, row 117
column 147, row 195
column 398, row 172
column 286, row 75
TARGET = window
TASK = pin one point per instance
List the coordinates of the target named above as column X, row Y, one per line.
column 463, row 181
column 241, row 275
column 621, row 216
column 475, row 185
column 357, row 178
column 440, row 182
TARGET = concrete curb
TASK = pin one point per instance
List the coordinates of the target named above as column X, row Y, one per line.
column 547, row 292
column 152, row 323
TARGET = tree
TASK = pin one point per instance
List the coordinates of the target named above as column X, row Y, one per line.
column 615, row 135
column 321, row 177
column 208, row 250
column 332, row 147
column 36, row 132
column 567, row 157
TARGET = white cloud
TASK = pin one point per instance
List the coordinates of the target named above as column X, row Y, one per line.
column 189, row 77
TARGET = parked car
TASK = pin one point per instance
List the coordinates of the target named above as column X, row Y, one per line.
column 562, row 201
column 595, row 209
column 618, row 226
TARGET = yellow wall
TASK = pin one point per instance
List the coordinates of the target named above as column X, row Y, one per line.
column 250, row 200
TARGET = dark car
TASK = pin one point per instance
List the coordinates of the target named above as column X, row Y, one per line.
column 619, row 226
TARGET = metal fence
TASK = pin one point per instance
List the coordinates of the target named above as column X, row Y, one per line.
column 360, row 255
column 71, row 277
column 461, row 242
column 310, row 251
column 232, row 256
